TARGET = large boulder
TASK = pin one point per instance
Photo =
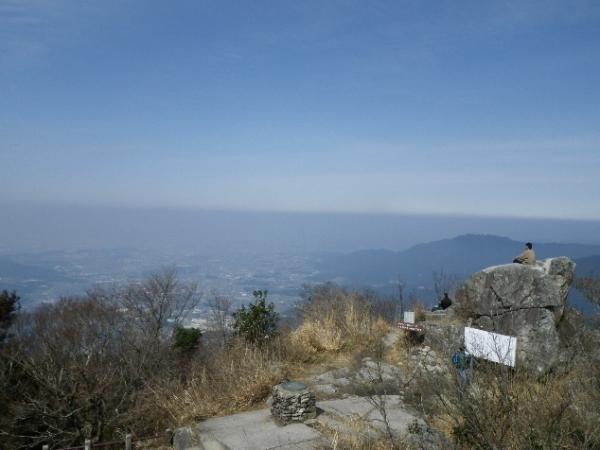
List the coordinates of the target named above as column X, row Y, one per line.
column 527, row 302
column 444, row 337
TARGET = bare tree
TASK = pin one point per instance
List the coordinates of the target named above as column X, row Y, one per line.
column 444, row 282
column 401, row 284
column 63, row 376
column 381, row 391
column 159, row 303
column 219, row 314
column 509, row 408
column 83, row 367
column 590, row 287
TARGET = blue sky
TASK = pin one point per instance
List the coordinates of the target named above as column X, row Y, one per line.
column 447, row 107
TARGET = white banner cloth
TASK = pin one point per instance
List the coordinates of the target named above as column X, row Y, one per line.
column 494, row 347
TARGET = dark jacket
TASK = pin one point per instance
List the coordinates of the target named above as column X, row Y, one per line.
column 446, row 302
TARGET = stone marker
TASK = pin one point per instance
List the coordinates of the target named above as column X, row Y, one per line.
column 293, row 402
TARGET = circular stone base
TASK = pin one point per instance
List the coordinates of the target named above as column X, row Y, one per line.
column 293, row 402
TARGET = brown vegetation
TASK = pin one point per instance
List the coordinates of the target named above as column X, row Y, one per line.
column 236, row 379
column 509, row 409
column 105, row 364
column 335, row 320
column 83, row 367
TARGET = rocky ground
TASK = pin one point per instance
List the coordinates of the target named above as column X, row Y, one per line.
column 364, row 402
column 367, row 400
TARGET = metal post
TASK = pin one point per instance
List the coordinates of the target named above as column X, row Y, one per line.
column 88, row 444
column 128, row 438
column 401, row 297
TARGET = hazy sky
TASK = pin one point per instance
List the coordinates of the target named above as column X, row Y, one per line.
column 468, row 107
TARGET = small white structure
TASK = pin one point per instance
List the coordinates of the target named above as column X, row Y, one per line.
column 494, row 347
column 409, row 316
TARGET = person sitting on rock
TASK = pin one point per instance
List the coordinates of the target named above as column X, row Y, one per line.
column 527, row 257
column 444, row 303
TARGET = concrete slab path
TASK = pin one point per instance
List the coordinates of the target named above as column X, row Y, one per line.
column 256, row 430
column 341, row 414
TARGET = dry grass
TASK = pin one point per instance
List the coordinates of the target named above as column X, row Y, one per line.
column 353, row 442
column 504, row 409
column 420, row 310
column 358, row 435
column 238, row 379
column 241, row 377
column 342, row 324
column 398, row 353
column 314, row 336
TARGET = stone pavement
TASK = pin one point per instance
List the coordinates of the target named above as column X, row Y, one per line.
column 348, row 414
column 256, row 430
column 345, row 379
column 252, row 430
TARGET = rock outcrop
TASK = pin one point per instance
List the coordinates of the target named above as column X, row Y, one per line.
column 371, row 375
column 527, row 302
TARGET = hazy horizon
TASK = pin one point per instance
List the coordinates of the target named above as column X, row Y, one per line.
column 28, row 228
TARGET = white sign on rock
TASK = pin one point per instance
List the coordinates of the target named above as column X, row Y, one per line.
column 494, row 347
column 409, row 316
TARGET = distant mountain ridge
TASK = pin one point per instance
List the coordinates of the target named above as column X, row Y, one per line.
column 462, row 255
column 588, row 265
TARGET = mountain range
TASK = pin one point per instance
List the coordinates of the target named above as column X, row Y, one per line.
column 460, row 256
